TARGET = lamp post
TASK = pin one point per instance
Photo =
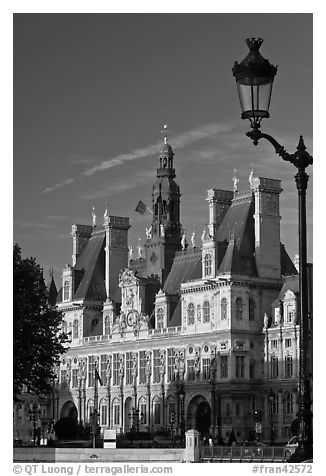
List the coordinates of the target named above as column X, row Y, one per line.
column 254, row 77
column 34, row 415
column 271, row 398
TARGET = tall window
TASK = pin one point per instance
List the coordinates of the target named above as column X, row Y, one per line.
column 190, row 369
column 90, row 409
column 224, row 366
column 103, row 364
column 206, row 312
column 63, row 376
column 116, row 413
column 288, row 366
column 274, row 404
column 198, row 313
column 91, row 370
column 224, row 310
column 103, row 412
column 116, row 365
column 156, row 366
column 142, row 366
column 208, row 265
column 128, row 368
column 252, row 306
column 274, row 367
column 290, row 314
column 107, row 325
column 252, row 368
column 171, row 375
column 74, row 381
column 240, row 366
column 64, row 327
column 288, row 343
column 75, row 329
column 143, row 412
column 160, row 318
column 191, row 314
column 238, row 308
column 288, row 403
column 66, row 291
column 157, row 412
column 206, row 365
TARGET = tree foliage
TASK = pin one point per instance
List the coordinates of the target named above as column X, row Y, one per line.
column 38, row 341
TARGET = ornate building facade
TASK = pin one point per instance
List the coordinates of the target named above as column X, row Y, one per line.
column 200, row 335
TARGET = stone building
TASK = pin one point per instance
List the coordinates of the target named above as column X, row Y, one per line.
column 182, row 335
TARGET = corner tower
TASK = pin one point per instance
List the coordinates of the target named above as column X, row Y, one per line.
column 164, row 238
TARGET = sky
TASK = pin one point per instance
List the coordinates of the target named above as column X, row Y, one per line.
column 91, row 93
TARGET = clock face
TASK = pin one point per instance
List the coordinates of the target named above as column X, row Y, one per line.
column 131, row 317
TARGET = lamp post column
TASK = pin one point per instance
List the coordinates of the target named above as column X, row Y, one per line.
column 304, row 395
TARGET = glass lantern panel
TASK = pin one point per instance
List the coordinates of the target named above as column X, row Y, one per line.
column 255, row 99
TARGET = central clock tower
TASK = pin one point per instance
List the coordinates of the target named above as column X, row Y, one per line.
column 164, row 236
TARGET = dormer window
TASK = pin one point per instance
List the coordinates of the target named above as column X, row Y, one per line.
column 160, row 318
column 206, row 312
column 208, row 265
column 191, row 314
column 75, row 329
column 238, row 308
column 66, row 287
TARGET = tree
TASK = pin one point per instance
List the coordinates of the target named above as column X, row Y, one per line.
column 38, row 341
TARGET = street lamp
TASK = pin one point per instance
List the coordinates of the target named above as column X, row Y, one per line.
column 34, row 415
column 254, row 77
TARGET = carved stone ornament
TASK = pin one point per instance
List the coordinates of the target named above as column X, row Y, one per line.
column 108, row 368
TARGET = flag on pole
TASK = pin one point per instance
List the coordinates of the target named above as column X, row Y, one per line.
column 97, row 376
column 141, row 208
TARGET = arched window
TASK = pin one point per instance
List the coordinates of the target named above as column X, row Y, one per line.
column 90, row 409
column 116, row 412
column 238, row 308
column 208, row 265
column 288, row 403
column 64, row 327
column 252, row 306
column 198, row 313
column 107, row 325
column 157, row 410
column 66, row 291
column 206, row 312
column 75, row 329
column 191, row 314
column 160, row 318
column 103, row 412
column 224, row 309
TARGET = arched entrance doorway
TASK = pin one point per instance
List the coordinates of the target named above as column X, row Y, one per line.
column 69, row 410
column 203, row 418
column 198, row 414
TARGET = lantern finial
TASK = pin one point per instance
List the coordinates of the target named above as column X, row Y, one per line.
column 254, row 43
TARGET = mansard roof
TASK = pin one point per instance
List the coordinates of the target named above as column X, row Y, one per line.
column 287, row 266
column 91, row 264
column 237, row 228
column 186, row 266
column 52, row 292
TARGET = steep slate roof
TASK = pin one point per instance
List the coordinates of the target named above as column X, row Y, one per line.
column 287, row 266
column 237, row 228
column 290, row 283
column 176, row 317
column 186, row 266
column 92, row 263
column 52, row 292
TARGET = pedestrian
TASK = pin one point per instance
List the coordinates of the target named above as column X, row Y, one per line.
column 210, row 441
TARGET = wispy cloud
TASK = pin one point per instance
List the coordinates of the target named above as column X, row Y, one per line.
column 124, row 185
column 179, row 141
column 59, row 185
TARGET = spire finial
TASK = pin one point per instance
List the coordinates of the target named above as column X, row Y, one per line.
column 165, row 132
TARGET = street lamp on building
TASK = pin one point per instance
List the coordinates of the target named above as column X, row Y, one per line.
column 34, row 414
column 254, row 77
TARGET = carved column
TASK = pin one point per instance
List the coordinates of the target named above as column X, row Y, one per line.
column 121, row 376
column 162, row 374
